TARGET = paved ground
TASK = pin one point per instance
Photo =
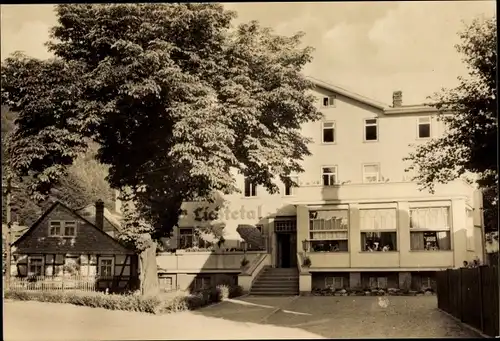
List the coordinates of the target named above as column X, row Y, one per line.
column 36, row 321
column 346, row 317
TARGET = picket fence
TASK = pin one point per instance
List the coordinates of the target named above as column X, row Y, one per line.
column 49, row 283
column 69, row 282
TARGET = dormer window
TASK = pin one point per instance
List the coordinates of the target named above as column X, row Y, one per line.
column 329, row 101
column 59, row 228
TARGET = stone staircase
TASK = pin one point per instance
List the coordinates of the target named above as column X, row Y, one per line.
column 276, row 282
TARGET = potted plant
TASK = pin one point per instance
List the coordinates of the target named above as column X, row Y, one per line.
column 306, row 262
column 244, row 262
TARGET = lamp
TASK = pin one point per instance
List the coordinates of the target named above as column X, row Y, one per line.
column 305, row 245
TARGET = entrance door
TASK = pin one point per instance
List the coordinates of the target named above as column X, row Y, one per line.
column 287, row 250
column 284, row 250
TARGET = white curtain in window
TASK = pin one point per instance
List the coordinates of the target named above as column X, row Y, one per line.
column 435, row 218
column 329, row 235
column 378, row 219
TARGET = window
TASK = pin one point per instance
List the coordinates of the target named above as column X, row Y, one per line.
column 58, row 228
column 55, row 228
column 328, row 101
column 165, row 283
column 70, row 228
column 106, row 266
column 328, row 230
column 190, row 237
column 329, row 175
column 378, row 282
column 289, row 187
column 250, row 188
column 334, row 282
column 201, row 283
column 371, row 129
column 378, row 230
column 430, row 229
column 186, row 238
column 328, row 132
column 371, row 172
column 35, row 266
column 424, row 127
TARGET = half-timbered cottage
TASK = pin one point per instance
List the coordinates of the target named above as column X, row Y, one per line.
column 64, row 244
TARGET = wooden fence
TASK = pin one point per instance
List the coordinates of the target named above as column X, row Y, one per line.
column 471, row 295
column 73, row 282
column 78, row 282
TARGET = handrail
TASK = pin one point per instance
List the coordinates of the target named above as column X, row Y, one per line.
column 250, row 268
column 303, row 270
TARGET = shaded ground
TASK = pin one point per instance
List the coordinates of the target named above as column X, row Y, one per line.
column 36, row 321
column 346, row 317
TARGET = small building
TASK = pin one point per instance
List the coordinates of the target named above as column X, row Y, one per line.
column 64, row 244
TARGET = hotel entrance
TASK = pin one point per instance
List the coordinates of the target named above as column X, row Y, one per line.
column 286, row 243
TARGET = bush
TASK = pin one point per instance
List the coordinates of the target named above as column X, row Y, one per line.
column 307, row 262
column 166, row 303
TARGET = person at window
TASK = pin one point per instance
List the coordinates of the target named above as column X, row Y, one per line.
column 335, row 248
column 466, row 264
column 386, row 248
column 368, row 247
column 376, row 246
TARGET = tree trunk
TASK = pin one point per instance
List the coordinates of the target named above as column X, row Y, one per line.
column 149, row 271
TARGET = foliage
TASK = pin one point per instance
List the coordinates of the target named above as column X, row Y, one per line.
column 470, row 113
column 84, row 183
column 244, row 261
column 306, row 262
column 174, row 98
column 164, row 303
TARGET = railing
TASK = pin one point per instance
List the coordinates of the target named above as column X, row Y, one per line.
column 69, row 282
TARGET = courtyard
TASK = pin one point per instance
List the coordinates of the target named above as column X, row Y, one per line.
column 346, row 317
column 244, row 318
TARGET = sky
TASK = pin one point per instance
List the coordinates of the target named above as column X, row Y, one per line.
column 371, row 48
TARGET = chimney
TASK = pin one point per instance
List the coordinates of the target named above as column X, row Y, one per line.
column 99, row 214
column 397, row 99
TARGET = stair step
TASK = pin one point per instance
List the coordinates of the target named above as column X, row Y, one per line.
column 274, row 293
column 275, row 285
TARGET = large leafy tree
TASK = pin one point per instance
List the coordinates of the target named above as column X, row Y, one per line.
column 470, row 113
column 175, row 97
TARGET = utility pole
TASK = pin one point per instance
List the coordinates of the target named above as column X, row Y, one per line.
column 8, row 193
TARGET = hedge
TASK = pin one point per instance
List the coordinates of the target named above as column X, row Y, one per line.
column 164, row 303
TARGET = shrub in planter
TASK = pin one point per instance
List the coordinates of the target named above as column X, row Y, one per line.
column 244, row 262
column 306, row 262
column 235, row 291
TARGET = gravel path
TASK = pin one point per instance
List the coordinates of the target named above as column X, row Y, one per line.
column 348, row 317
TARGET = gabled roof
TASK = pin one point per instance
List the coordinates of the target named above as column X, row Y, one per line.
column 49, row 210
column 387, row 109
column 112, row 219
column 348, row 93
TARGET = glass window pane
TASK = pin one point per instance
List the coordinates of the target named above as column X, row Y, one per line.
column 424, row 130
column 370, row 133
column 328, row 135
column 371, row 168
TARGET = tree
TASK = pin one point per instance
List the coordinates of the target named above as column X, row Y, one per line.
column 176, row 99
column 470, row 113
column 84, row 183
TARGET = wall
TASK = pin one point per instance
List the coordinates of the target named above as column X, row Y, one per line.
column 202, row 261
column 87, row 263
column 395, row 133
